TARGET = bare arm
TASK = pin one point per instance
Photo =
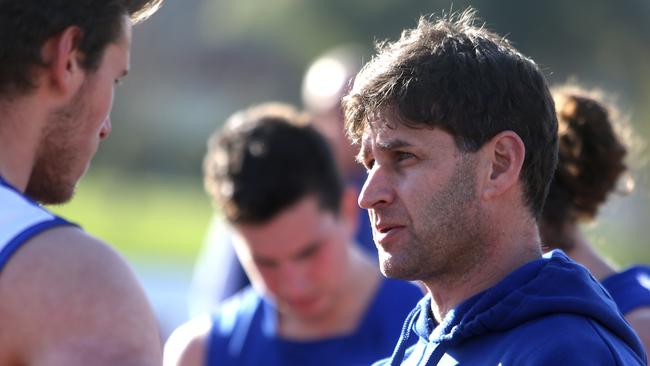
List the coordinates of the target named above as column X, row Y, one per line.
column 71, row 300
column 639, row 319
column 187, row 344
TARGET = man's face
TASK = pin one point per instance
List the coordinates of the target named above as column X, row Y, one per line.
column 420, row 194
column 73, row 131
column 297, row 259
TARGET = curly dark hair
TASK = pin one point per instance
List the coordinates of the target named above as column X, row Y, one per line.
column 25, row 25
column 591, row 161
column 267, row 158
column 457, row 76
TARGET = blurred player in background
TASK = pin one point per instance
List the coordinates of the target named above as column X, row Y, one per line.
column 591, row 163
column 217, row 273
column 316, row 297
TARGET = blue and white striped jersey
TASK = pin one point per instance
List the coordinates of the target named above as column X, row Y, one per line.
column 21, row 219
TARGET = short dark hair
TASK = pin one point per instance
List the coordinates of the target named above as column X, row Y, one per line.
column 265, row 159
column 462, row 78
column 591, row 160
column 25, row 25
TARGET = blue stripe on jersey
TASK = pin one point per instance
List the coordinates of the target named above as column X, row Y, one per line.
column 27, row 234
column 7, row 249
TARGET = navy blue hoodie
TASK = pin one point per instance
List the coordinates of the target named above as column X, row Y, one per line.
column 550, row 311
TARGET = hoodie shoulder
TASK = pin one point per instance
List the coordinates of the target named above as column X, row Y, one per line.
column 567, row 339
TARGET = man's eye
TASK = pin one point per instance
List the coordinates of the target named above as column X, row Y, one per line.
column 403, row 155
column 264, row 263
column 309, row 253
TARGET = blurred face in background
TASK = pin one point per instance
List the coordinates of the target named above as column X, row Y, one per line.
column 330, row 124
column 326, row 82
column 298, row 259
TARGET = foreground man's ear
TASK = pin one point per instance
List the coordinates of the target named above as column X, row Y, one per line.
column 62, row 75
column 505, row 154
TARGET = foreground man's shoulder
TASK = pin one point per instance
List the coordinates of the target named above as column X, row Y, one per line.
column 573, row 339
column 76, row 301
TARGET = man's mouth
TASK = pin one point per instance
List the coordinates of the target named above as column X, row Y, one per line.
column 387, row 232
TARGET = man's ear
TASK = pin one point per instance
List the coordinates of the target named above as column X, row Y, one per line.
column 505, row 154
column 349, row 210
column 63, row 74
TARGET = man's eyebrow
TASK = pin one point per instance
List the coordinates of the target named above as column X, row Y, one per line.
column 263, row 260
column 307, row 250
column 382, row 145
column 392, row 144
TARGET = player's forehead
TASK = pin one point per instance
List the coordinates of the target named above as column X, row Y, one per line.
column 290, row 232
column 386, row 135
column 116, row 58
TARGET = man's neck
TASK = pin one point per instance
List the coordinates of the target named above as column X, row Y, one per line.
column 358, row 288
column 449, row 291
column 19, row 137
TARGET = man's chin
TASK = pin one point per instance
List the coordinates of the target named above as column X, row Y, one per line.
column 306, row 312
column 399, row 271
column 388, row 271
column 51, row 194
column 387, row 265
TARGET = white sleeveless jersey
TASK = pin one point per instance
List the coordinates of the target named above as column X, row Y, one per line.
column 20, row 219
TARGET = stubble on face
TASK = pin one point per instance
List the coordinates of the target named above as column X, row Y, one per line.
column 59, row 164
column 73, row 131
column 444, row 240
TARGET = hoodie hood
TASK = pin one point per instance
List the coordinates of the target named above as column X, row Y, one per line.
column 552, row 285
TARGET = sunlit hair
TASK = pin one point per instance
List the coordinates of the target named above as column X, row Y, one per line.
column 264, row 160
column 454, row 74
column 141, row 10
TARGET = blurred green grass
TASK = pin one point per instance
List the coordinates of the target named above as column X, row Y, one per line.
column 148, row 218
column 163, row 219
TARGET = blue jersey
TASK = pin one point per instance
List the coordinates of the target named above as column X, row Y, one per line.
column 244, row 332
column 20, row 219
column 630, row 289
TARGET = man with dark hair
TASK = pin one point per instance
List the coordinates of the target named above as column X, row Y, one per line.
column 459, row 136
column 316, row 298
column 217, row 272
column 66, row 298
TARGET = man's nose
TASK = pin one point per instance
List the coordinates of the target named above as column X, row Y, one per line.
column 376, row 190
column 294, row 280
column 106, row 128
